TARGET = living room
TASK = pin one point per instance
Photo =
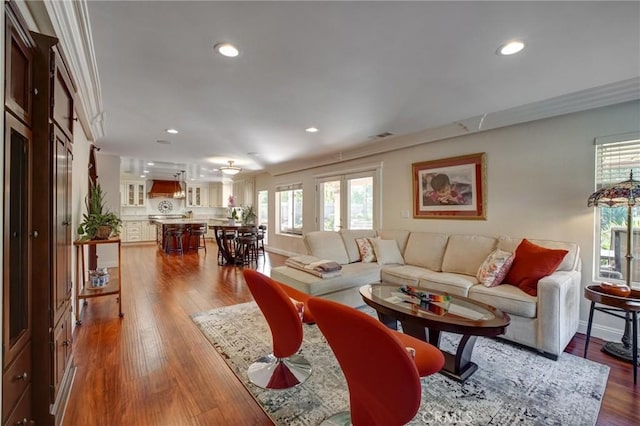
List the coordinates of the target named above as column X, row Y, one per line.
column 539, row 171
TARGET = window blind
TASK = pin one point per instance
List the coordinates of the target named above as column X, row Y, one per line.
column 292, row 187
column 616, row 156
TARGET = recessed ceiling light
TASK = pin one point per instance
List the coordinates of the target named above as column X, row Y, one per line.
column 227, row 49
column 311, row 129
column 145, row 171
column 172, row 131
column 142, row 176
column 510, row 48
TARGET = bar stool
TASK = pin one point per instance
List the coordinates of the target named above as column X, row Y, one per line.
column 198, row 231
column 173, row 239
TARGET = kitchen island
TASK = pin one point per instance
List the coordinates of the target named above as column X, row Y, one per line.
column 165, row 226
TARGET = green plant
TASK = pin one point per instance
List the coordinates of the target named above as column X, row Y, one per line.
column 248, row 215
column 233, row 213
column 97, row 215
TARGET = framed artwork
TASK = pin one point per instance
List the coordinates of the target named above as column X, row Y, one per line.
column 450, row 188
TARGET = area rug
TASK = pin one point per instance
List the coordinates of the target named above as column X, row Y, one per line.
column 513, row 385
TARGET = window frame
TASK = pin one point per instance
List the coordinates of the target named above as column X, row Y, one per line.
column 291, row 189
column 625, row 148
column 345, row 177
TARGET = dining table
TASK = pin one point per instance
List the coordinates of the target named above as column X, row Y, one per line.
column 229, row 251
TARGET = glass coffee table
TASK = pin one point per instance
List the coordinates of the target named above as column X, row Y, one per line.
column 444, row 312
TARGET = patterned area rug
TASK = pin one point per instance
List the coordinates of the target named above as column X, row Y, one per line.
column 512, row 385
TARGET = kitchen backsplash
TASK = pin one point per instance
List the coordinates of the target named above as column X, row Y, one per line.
column 155, row 206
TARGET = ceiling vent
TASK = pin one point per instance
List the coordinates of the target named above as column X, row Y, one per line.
column 383, row 135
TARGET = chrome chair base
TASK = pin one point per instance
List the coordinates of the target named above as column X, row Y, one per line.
column 270, row 372
column 342, row 418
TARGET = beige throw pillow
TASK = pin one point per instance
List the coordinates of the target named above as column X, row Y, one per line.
column 386, row 251
column 494, row 268
column 365, row 248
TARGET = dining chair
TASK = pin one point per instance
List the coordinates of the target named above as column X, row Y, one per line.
column 284, row 367
column 382, row 376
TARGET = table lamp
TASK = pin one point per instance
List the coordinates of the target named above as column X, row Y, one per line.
column 623, row 194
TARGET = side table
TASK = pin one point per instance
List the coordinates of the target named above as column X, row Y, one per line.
column 615, row 305
column 84, row 289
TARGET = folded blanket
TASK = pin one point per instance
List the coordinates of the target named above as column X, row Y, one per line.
column 316, row 266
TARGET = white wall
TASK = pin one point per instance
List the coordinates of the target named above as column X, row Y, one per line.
column 108, row 167
column 539, row 176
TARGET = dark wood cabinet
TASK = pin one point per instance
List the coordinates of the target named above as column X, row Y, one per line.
column 52, row 280
column 17, row 285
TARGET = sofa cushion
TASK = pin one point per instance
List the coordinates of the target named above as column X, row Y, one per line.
column 386, row 251
column 570, row 261
column 401, row 236
column 495, row 268
column 401, row 274
column 367, row 254
column 457, row 284
column 507, row 298
column 426, row 249
column 531, row 263
column 465, row 253
column 349, row 238
column 326, row 245
column 353, row 275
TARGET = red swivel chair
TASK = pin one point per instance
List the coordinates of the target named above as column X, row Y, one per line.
column 383, row 380
column 284, row 368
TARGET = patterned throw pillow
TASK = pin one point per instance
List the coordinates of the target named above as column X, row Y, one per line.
column 366, row 250
column 495, row 268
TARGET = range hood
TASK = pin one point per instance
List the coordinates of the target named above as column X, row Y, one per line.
column 165, row 189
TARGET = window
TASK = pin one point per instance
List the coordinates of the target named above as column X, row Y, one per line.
column 263, row 210
column 616, row 157
column 289, row 202
column 348, row 201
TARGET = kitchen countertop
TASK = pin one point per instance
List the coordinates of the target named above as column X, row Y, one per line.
column 185, row 221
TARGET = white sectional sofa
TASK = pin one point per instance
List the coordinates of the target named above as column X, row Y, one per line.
column 449, row 263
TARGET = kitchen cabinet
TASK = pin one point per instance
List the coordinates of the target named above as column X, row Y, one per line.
column 149, row 231
column 85, row 288
column 18, row 260
column 133, row 231
column 133, row 194
column 197, row 196
column 215, row 195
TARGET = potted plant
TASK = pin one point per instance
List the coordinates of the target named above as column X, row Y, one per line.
column 248, row 215
column 98, row 222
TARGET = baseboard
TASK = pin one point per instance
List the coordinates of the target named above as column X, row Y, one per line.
column 281, row 252
column 601, row 331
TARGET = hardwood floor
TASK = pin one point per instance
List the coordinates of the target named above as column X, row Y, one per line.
column 154, row 367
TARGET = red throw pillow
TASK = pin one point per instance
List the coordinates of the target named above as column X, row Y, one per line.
column 531, row 263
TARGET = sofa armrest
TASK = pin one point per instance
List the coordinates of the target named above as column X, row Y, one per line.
column 558, row 310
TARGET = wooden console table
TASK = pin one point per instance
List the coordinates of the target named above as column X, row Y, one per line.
column 84, row 289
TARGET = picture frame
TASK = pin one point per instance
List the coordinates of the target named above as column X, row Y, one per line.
column 450, row 188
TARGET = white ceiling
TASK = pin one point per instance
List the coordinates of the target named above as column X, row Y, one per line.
column 352, row 69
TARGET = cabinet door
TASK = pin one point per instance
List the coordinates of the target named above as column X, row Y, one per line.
column 62, row 347
column 18, row 64
column 17, row 241
column 140, row 194
column 62, row 221
column 63, row 97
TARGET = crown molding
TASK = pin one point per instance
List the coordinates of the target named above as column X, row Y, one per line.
column 597, row 97
column 70, row 21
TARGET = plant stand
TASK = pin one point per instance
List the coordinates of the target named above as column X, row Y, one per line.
column 85, row 289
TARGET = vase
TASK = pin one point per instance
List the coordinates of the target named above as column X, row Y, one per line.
column 103, row 233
